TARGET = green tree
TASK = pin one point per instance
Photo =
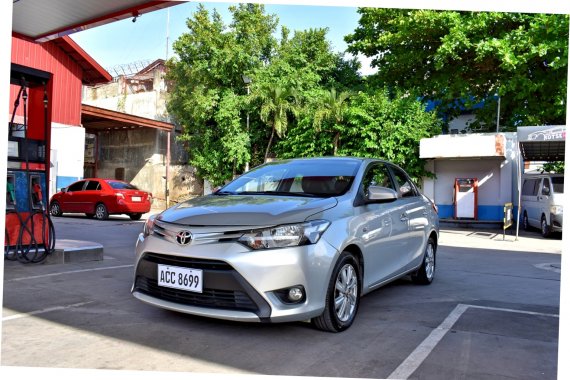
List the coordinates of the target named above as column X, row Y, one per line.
column 206, row 87
column 375, row 124
column 277, row 104
column 332, row 109
column 447, row 56
column 554, row 167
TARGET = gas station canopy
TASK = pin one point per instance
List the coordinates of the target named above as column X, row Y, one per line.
column 543, row 143
column 43, row 20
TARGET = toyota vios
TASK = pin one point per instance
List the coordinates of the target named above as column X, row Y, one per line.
column 291, row 240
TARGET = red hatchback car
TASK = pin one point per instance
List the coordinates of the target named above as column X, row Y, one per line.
column 99, row 198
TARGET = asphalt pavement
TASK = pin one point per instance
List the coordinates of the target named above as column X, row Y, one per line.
column 491, row 312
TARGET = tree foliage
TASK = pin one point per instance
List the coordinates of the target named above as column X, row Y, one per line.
column 462, row 59
column 297, row 103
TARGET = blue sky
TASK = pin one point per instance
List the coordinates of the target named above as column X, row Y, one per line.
column 126, row 42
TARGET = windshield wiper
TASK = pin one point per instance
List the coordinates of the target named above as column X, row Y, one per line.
column 284, row 193
column 225, row 193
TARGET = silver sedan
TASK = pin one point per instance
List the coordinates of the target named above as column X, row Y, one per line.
column 290, row 240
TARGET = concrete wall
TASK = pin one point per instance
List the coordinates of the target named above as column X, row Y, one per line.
column 151, row 105
column 141, row 152
column 67, row 148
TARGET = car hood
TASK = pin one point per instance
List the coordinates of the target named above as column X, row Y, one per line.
column 245, row 210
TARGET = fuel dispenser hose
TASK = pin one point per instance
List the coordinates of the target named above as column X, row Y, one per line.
column 36, row 250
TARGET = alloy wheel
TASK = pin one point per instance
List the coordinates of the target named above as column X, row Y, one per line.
column 429, row 261
column 346, row 293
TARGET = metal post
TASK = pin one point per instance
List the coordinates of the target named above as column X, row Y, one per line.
column 498, row 111
column 247, row 128
column 247, row 82
column 166, row 191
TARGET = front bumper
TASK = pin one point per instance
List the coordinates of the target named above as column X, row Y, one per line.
column 239, row 284
column 556, row 222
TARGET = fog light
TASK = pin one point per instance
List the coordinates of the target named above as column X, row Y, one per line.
column 295, row 294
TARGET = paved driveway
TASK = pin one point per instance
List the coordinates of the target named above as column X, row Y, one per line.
column 492, row 312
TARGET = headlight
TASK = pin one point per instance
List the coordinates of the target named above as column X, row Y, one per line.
column 148, row 225
column 290, row 235
column 556, row 210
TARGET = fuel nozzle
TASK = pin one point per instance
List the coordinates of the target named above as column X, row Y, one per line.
column 11, row 193
column 37, row 195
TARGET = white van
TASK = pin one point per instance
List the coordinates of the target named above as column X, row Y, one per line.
column 541, row 201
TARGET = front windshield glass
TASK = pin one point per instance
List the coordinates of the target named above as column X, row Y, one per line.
column 314, row 178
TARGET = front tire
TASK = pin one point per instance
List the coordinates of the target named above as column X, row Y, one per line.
column 544, row 227
column 426, row 273
column 343, row 296
column 101, row 212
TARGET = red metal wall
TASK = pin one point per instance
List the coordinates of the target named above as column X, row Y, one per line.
column 66, row 90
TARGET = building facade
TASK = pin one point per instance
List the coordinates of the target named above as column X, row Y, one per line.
column 150, row 157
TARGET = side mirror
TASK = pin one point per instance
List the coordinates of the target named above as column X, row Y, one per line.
column 546, row 190
column 63, row 189
column 379, row 193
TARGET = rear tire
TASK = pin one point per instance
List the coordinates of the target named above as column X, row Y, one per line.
column 425, row 274
column 343, row 296
column 525, row 225
column 101, row 212
column 55, row 209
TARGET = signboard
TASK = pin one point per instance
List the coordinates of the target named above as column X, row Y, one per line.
column 508, row 217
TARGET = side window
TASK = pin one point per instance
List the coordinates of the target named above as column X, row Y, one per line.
column 77, row 186
column 536, row 186
column 377, row 175
column 528, row 187
column 407, row 189
column 546, row 186
column 93, row 185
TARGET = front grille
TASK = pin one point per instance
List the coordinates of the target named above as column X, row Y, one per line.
column 223, row 287
column 222, row 299
column 188, row 262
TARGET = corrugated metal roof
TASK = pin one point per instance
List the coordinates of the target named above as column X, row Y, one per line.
column 44, row 20
column 542, row 143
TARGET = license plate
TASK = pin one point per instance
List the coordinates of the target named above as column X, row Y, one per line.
column 180, row 278
column 136, row 199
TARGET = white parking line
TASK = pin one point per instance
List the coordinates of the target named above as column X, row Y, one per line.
column 43, row 311
column 68, row 272
column 417, row 357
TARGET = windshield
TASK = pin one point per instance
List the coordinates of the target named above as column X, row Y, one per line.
column 558, row 184
column 117, row 185
column 313, row 178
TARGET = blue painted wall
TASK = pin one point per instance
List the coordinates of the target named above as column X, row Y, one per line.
column 484, row 213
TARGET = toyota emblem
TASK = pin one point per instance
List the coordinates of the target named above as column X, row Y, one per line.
column 184, row 237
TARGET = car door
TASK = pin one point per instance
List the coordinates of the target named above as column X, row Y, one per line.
column 376, row 229
column 90, row 196
column 413, row 213
column 70, row 200
column 533, row 204
column 544, row 195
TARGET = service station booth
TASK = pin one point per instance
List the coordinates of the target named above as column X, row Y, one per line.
column 37, row 106
column 478, row 177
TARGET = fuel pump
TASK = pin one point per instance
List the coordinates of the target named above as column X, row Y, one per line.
column 29, row 233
